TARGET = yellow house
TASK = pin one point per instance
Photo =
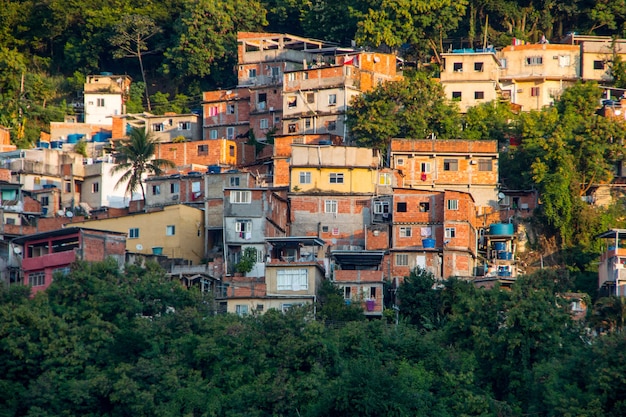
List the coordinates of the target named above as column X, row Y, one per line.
column 336, row 169
column 597, row 55
column 470, row 77
column 534, row 75
column 175, row 231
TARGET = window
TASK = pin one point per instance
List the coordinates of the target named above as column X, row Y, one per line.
column 325, row 229
column 203, row 149
column 310, row 98
column 381, row 207
column 401, row 207
column 453, row 204
column 330, row 206
column 195, row 187
column 234, row 181
column 402, row 259
column 100, row 102
column 564, row 60
column 450, row 232
column 424, row 207
column 10, row 220
column 68, row 187
column 213, row 134
column 305, row 178
column 372, row 293
column 292, row 279
column 534, row 91
column 133, row 233
column 503, row 63
column 291, row 76
column 213, row 111
column 347, row 293
column 305, row 75
column 598, row 65
column 332, row 125
column 262, row 101
column 230, row 109
column 45, row 201
column 458, row 67
column 170, row 230
column 231, row 150
column 174, row 187
column 37, row 279
column 157, row 127
column 252, row 73
column 184, row 125
column 384, row 178
column 478, row 66
column 479, row 95
column 450, row 165
column 95, row 187
column 61, row 271
column 332, row 99
column 156, row 189
column 485, row 165
column 230, row 133
column 405, row 231
column 241, row 310
column 307, row 123
column 400, row 161
column 275, row 71
column 456, row 96
column 240, row 197
column 425, row 167
column 534, row 60
column 336, row 178
column 263, row 124
column 292, row 102
column 243, row 226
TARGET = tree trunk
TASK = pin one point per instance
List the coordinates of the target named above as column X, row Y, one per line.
column 143, row 75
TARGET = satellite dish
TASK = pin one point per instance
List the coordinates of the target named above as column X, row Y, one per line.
column 60, row 213
column 69, row 214
column 17, row 250
column 139, row 246
column 501, row 196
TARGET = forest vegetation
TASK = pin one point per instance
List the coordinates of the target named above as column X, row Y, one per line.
column 100, row 342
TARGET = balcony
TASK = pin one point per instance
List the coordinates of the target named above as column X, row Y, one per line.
column 51, row 260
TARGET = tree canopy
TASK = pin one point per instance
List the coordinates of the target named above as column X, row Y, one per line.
column 100, row 342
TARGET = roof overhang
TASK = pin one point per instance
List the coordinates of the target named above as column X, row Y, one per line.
column 358, row 257
column 295, row 241
column 613, row 233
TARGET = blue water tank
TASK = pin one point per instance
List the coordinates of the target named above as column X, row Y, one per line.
column 73, row 138
column 44, row 145
column 499, row 246
column 501, row 229
column 56, row 144
column 428, row 243
column 102, row 137
column 214, row 169
column 507, row 256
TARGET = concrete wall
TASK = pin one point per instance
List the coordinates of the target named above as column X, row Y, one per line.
column 186, row 243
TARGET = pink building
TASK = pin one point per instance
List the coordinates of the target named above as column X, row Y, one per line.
column 44, row 254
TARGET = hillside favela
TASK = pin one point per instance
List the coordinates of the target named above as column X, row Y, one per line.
column 264, row 208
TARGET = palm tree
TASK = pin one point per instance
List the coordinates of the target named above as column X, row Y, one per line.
column 135, row 157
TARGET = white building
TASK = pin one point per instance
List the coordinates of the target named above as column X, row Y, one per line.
column 105, row 96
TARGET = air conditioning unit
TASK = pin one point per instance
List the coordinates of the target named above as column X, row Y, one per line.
column 175, row 197
column 473, row 162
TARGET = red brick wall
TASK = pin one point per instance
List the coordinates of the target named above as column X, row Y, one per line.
column 185, row 153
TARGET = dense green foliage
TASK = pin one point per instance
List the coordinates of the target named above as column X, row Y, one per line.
column 104, row 343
